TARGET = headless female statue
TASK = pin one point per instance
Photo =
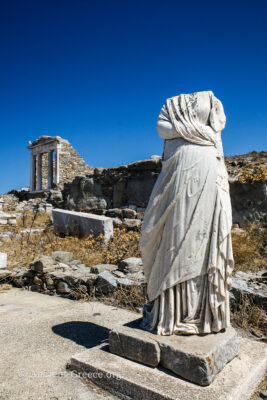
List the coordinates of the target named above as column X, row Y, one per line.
column 186, row 234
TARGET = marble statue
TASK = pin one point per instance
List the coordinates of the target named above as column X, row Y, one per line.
column 186, row 235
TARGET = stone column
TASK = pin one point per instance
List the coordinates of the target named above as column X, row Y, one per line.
column 50, row 170
column 57, row 166
column 39, row 171
column 33, row 173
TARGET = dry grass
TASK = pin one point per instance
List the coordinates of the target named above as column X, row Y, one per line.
column 250, row 317
column 132, row 298
column 249, row 254
column 5, row 286
column 250, row 249
column 255, row 174
column 262, row 385
column 23, row 249
column 33, row 219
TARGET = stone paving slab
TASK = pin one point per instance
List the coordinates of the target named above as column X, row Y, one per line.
column 196, row 358
column 38, row 336
column 132, row 380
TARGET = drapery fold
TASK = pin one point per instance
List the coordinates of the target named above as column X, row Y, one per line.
column 186, row 233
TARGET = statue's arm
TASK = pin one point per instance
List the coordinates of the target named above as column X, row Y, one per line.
column 166, row 129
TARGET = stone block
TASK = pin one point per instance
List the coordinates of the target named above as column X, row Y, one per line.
column 125, row 282
column 3, row 260
column 62, row 256
column 133, row 224
column 127, row 343
column 199, row 358
column 252, row 286
column 196, row 358
column 4, row 274
column 97, row 269
column 114, row 213
column 130, row 265
column 43, row 264
column 132, row 380
column 106, row 283
column 63, row 287
column 82, row 224
column 128, row 213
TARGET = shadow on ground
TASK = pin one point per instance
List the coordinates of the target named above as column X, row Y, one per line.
column 85, row 334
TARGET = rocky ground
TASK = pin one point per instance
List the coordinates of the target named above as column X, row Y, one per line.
column 38, row 336
column 72, row 267
column 88, row 270
column 245, row 167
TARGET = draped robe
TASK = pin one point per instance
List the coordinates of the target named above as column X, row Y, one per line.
column 186, row 234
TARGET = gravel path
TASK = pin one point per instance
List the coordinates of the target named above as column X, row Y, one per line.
column 39, row 334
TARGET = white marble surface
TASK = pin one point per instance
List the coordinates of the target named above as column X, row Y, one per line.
column 185, row 239
column 3, row 260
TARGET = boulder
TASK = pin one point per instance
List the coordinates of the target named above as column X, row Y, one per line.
column 131, row 265
column 35, row 288
column 250, row 285
column 62, row 256
column 125, row 282
column 128, row 213
column 63, row 267
column 63, row 288
column 116, row 222
column 132, row 223
column 114, row 213
column 97, row 269
column 74, row 263
column 37, row 280
column 106, row 283
column 4, row 274
column 43, row 264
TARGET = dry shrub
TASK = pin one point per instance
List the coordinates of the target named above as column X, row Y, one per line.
column 24, row 248
column 257, row 173
column 250, row 248
column 250, row 317
column 132, row 298
column 5, row 286
column 125, row 244
column 33, row 219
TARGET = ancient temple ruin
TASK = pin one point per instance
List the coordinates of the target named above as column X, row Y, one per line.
column 54, row 162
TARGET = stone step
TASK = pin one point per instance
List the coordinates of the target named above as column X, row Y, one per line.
column 132, row 380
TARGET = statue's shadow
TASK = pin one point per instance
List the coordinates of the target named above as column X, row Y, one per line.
column 85, row 334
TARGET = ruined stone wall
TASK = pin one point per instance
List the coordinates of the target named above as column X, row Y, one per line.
column 130, row 186
column 71, row 164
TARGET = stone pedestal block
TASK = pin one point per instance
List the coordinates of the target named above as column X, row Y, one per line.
column 130, row 344
column 132, row 380
column 82, row 224
column 196, row 358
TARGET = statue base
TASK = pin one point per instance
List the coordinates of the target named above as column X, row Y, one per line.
column 193, row 357
column 128, row 379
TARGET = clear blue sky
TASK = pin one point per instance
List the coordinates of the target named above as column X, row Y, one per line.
column 97, row 73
